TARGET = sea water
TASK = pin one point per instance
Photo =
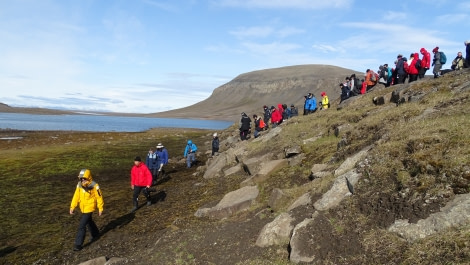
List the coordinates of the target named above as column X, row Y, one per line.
column 101, row 123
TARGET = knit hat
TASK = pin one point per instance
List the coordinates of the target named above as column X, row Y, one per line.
column 435, row 49
column 323, row 94
column 137, row 158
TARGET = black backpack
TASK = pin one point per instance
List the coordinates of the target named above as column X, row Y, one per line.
column 418, row 64
column 358, row 83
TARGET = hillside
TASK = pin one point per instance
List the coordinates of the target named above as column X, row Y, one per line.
column 249, row 92
column 358, row 183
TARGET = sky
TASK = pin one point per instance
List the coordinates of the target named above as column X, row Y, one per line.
column 146, row 56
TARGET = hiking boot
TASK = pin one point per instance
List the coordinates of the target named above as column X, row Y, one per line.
column 77, row 248
column 149, row 203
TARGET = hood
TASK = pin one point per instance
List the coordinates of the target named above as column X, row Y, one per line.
column 190, row 142
column 423, row 51
column 416, row 56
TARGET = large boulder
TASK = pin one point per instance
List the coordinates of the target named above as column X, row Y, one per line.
column 232, row 203
column 266, row 169
column 456, row 213
column 340, row 189
column 301, row 244
column 277, row 232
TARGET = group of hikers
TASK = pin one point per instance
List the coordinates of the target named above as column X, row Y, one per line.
column 275, row 116
column 143, row 175
column 412, row 68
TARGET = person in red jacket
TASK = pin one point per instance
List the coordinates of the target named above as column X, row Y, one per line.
column 141, row 180
column 425, row 62
column 412, row 69
column 276, row 117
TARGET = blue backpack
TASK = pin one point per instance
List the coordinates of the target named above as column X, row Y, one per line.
column 443, row 59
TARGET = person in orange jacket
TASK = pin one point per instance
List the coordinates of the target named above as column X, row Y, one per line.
column 370, row 74
column 89, row 196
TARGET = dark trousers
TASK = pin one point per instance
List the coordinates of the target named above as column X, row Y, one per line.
column 85, row 221
column 214, row 150
column 412, row 78
column 244, row 134
column 154, row 172
column 137, row 190
column 400, row 79
column 422, row 72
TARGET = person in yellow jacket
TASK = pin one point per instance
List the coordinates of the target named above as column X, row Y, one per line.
column 325, row 103
column 89, row 196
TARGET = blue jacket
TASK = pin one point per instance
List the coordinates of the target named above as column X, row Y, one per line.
column 311, row 103
column 162, row 156
column 190, row 148
column 151, row 160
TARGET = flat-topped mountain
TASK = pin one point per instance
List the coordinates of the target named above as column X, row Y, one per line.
column 249, row 92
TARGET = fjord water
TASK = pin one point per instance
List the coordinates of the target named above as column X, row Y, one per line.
column 101, row 123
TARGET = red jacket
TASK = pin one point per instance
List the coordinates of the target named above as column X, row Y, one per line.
column 426, row 60
column 276, row 116
column 412, row 70
column 140, row 175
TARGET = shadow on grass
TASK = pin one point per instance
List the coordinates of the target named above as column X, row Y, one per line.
column 118, row 223
column 7, row 250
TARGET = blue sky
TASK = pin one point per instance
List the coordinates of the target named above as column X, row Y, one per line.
column 149, row 56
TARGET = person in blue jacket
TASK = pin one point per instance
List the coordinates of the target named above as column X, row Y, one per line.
column 310, row 103
column 190, row 153
column 151, row 163
column 162, row 160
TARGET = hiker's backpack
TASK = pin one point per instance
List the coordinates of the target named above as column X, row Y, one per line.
column 358, row 84
column 418, row 64
column 443, row 59
column 373, row 77
column 261, row 123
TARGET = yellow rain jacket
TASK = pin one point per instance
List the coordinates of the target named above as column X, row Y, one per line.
column 325, row 102
column 88, row 198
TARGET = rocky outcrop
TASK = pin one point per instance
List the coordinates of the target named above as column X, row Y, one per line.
column 454, row 214
column 276, row 232
column 231, row 203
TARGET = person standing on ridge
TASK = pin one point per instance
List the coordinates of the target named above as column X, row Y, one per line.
column 215, row 144
column 425, row 62
column 467, row 53
column 436, row 62
column 162, row 160
column 266, row 116
column 190, row 153
column 141, row 180
column 244, row 127
column 88, row 196
column 325, row 103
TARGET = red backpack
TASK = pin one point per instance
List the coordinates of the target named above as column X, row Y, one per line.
column 261, row 123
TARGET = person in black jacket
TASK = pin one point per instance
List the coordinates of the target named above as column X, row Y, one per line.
column 215, row 144
column 245, row 126
column 266, row 116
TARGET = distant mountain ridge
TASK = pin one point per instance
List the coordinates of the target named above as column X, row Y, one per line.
column 250, row 91
column 247, row 92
